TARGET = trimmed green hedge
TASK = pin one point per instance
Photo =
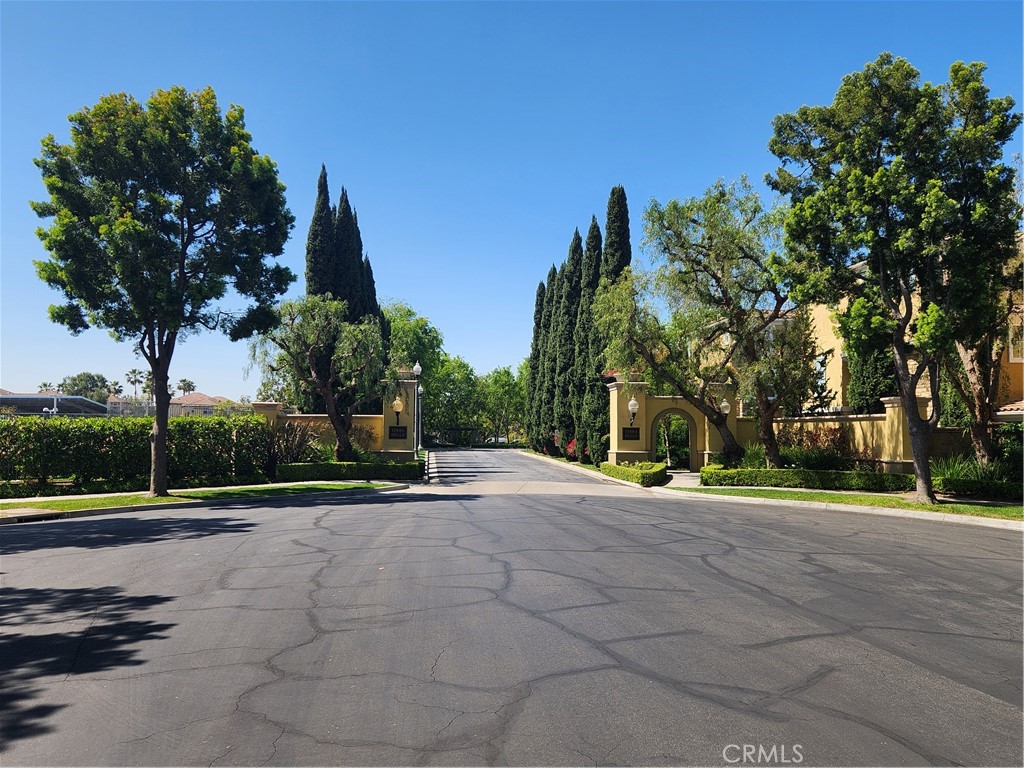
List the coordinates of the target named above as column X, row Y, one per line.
column 828, row 480
column 411, row 471
column 716, row 475
column 988, row 489
column 115, row 452
column 645, row 473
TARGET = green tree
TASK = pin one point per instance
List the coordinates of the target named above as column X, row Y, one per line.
column 91, row 385
column 46, row 386
column 908, row 178
column 590, row 395
column 618, row 253
column 566, row 389
column 867, row 332
column 451, row 405
column 549, row 363
column 134, row 377
column 156, row 209
column 533, row 366
column 320, row 241
column 315, row 325
column 728, row 287
column 502, row 396
column 186, row 386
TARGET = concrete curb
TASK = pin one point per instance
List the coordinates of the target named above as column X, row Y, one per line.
column 29, row 515
column 914, row 514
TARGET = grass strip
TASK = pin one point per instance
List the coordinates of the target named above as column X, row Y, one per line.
column 1000, row 511
column 73, row 504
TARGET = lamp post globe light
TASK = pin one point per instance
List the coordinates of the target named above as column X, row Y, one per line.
column 419, row 418
column 417, row 369
column 725, row 406
column 397, row 406
column 634, row 408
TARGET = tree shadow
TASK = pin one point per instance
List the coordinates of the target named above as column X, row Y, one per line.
column 95, row 533
column 37, row 644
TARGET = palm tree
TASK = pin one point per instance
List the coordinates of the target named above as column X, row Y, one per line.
column 46, row 385
column 135, row 377
column 186, row 386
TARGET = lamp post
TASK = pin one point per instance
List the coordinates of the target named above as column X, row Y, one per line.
column 634, row 408
column 416, row 371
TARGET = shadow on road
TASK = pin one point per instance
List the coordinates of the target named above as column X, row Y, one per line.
column 108, row 640
column 96, row 533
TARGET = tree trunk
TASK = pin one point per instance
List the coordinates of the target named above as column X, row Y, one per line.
column 668, row 449
column 730, row 447
column 920, row 444
column 979, row 391
column 158, row 437
column 342, row 423
column 766, row 430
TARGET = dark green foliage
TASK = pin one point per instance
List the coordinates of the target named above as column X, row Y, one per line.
column 1009, row 441
column 871, row 378
column 565, row 348
column 646, row 474
column 116, row 451
column 715, row 474
column 533, row 365
column 409, row 472
column 547, row 387
column 986, row 489
column 590, row 395
column 92, row 385
column 320, row 241
column 618, row 254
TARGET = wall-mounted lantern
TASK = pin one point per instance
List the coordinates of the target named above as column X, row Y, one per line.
column 397, row 406
column 634, row 408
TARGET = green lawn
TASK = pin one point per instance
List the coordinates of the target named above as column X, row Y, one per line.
column 1002, row 511
column 73, row 504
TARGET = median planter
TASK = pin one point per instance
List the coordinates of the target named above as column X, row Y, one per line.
column 408, row 472
column 646, row 473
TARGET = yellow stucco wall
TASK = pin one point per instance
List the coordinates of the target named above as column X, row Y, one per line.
column 837, row 373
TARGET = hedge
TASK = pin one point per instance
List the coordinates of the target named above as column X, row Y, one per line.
column 989, row 489
column 411, row 471
column 115, row 452
column 829, row 480
column 645, row 474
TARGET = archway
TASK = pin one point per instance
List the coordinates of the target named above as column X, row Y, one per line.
column 632, row 436
column 665, row 431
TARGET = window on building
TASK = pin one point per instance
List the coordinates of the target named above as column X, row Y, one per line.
column 1017, row 339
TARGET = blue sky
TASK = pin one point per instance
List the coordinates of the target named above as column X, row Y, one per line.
column 472, row 137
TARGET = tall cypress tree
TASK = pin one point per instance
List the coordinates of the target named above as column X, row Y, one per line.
column 565, row 361
column 532, row 372
column 587, row 376
column 320, row 241
column 347, row 281
column 549, row 358
column 617, row 251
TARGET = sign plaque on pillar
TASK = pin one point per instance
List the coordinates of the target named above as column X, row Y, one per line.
column 398, row 433
column 631, row 433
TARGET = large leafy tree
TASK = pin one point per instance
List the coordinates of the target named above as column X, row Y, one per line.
column 316, row 328
column 502, row 397
column 452, row 405
column 92, row 385
column 907, row 178
column 155, row 210
column 727, row 285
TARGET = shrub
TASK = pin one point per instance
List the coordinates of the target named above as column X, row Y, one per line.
column 644, row 473
column 411, row 471
column 829, row 480
column 989, row 489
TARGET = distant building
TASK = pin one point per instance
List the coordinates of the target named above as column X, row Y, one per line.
column 195, row 404
column 49, row 402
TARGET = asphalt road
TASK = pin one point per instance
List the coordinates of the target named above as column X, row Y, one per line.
column 512, row 613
